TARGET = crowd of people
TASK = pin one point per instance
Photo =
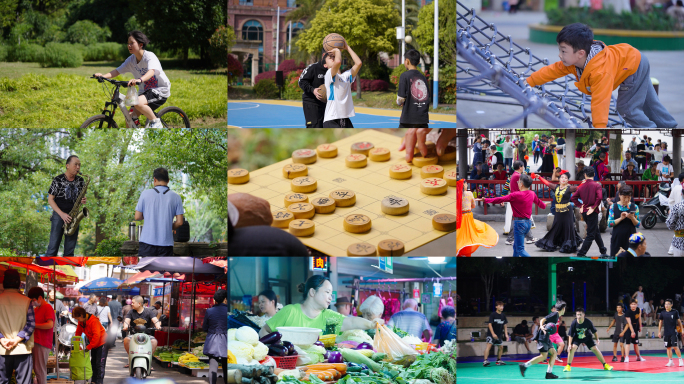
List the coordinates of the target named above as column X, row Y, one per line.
column 598, row 203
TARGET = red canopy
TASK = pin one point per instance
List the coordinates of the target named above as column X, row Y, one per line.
column 36, row 268
column 61, row 260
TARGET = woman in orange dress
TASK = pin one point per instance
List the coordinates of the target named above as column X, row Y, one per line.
column 470, row 233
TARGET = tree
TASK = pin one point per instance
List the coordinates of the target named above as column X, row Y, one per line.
column 488, row 268
column 425, row 32
column 367, row 25
column 181, row 25
column 231, row 38
column 305, row 12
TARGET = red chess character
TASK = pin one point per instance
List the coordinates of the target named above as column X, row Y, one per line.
column 365, row 145
column 355, row 157
column 433, row 182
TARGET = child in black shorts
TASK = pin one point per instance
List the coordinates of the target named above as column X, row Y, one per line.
column 620, row 322
column 547, row 327
column 580, row 333
column 497, row 333
column 414, row 94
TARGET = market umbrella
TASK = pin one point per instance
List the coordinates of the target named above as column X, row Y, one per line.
column 70, row 275
column 103, row 260
column 140, row 277
column 104, row 284
column 58, row 260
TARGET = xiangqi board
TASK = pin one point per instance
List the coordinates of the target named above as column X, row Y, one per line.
column 371, row 185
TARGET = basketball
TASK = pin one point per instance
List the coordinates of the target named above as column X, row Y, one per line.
column 321, row 90
column 333, row 40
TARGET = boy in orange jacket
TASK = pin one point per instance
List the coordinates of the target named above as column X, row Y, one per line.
column 599, row 69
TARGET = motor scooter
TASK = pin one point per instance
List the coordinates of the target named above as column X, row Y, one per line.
column 140, row 352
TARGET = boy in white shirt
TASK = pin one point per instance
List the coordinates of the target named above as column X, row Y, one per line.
column 145, row 66
column 340, row 106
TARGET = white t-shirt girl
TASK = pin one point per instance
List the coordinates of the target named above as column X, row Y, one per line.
column 159, row 82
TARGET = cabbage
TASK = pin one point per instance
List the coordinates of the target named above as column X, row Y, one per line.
column 241, row 350
column 247, row 335
column 260, row 351
column 357, row 335
column 313, row 355
column 231, row 334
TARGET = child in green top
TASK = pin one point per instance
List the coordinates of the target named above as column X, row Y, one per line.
column 649, row 175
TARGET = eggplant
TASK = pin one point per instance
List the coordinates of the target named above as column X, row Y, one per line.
column 271, row 338
column 319, row 343
column 327, row 355
column 289, row 346
column 277, row 350
column 293, row 353
column 365, row 346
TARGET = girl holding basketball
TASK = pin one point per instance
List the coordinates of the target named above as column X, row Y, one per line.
column 340, row 106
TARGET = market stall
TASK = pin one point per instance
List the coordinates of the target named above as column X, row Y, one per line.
column 347, row 346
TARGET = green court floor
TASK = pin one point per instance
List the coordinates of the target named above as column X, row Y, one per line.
column 584, row 368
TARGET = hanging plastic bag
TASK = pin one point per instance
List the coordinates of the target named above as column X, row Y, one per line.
column 131, row 96
column 390, row 343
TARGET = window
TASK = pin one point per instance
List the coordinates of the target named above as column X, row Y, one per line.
column 291, row 3
column 246, row 2
column 252, row 30
column 296, row 27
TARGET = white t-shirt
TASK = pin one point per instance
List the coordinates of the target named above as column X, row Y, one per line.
column 640, row 299
column 340, row 104
column 102, row 313
column 158, row 82
column 665, row 171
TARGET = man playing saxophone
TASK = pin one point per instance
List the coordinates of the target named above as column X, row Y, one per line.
column 64, row 191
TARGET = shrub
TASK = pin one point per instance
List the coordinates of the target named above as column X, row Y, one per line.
column 266, row 89
column 608, row 19
column 219, row 46
column 105, row 51
column 61, row 56
column 396, row 74
column 371, row 85
column 234, row 69
column 447, row 84
column 374, row 70
column 86, row 32
column 292, row 90
column 265, row 75
column 110, row 247
column 288, row 66
column 3, row 52
column 26, row 53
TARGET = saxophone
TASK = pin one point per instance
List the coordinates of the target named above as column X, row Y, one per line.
column 76, row 214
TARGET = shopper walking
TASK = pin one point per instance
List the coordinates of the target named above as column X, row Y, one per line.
column 104, row 314
column 17, row 325
column 216, row 345
column 42, row 337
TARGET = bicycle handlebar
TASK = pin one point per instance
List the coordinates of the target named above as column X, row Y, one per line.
column 115, row 82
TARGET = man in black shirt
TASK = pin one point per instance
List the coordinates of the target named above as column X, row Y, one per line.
column 497, row 333
column 633, row 314
column 62, row 196
column 140, row 315
column 521, row 333
column 547, row 327
column 581, row 331
column 669, row 319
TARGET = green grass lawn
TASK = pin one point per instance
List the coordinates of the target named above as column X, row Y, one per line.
column 31, row 96
column 386, row 100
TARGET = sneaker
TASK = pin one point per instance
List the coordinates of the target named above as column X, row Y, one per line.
column 607, row 367
column 508, row 242
column 532, row 240
column 670, row 364
column 604, row 256
column 550, row 375
column 558, row 360
column 622, row 359
column 156, row 123
column 499, row 362
column 567, row 368
column 615, row 358
column 486, row 363
column 639, row 358
column 681, row 363
column 523, row 368
column 626, row 359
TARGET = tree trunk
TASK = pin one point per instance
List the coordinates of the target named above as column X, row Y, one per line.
column 31, row 281
column 615, row 151
column 186, row 53
column 99, row 231
column 489, row 286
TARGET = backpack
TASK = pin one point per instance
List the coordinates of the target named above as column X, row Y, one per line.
column 595, row 166
column 182, row 234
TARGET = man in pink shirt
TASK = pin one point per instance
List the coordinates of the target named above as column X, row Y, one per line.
column 518, row 167
column 42, row 337
column 521, row 204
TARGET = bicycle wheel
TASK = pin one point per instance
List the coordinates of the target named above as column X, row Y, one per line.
column 174, row 117
column 99, row 121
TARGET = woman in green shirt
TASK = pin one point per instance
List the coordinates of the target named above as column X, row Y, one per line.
column 649, row 175
column 314, row 312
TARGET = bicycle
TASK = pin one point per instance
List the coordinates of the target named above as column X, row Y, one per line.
column 171, row 117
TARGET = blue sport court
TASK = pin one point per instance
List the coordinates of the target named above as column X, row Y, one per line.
column 289, row 114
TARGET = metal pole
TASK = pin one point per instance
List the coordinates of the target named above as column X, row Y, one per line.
column 403, row 28
column 607, row 300
column 462, row 146
column 361, row 281
column 276, row 50
column 435, row 66
column 552, row 282
column 289, row 40
column 585, row 296
column 676, row 151
column 570, row 152
column 573, row 296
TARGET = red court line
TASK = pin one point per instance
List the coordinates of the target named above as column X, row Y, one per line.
column 653, row 364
